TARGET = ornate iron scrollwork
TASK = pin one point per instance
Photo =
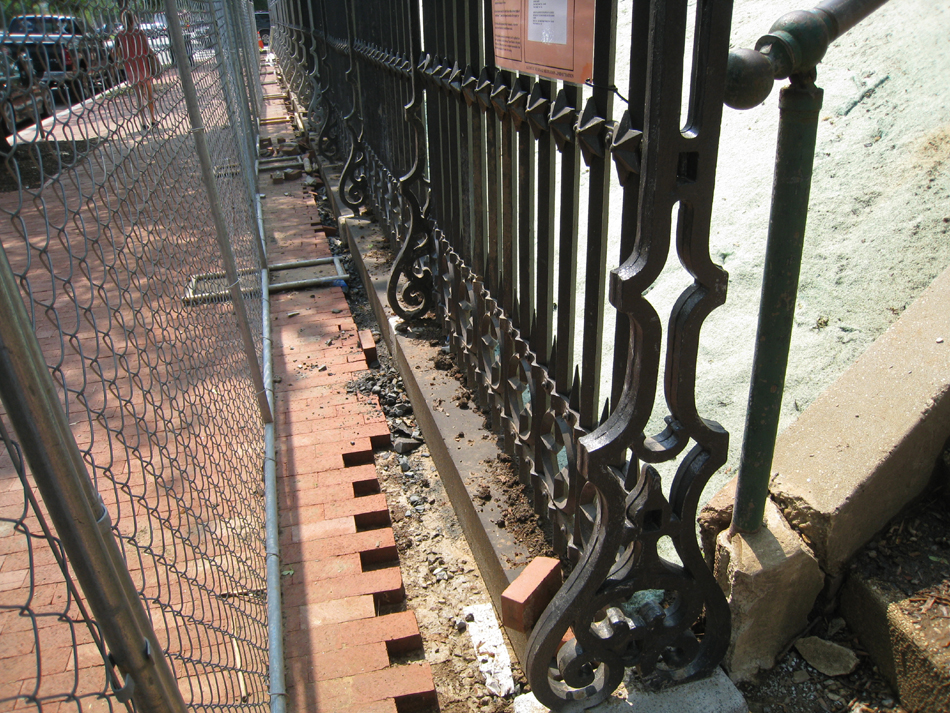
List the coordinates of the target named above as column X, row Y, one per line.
column 353, row 181
column 414, row 298
column 413, row 264
column 626, row 605
column 328, row 140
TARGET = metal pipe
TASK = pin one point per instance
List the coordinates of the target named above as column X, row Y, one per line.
column 305, row 284
column 78, row 513
column 795, row 44
column 848, row 13
column 221, row 231
column 275, row 630
column 275, row 633
column 799, row 105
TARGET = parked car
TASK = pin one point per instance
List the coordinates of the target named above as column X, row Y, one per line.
column 262, row 19
column 64, row 52
column 24, row 97
column 197, row 36
column 155, row 28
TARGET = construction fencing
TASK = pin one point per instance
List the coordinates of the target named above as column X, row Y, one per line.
column 131, row 252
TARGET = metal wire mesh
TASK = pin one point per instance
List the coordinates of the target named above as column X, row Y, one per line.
column 107, row 225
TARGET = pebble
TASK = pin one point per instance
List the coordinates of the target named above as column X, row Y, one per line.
column 828, row 657
column 460, row 625
column 834, row 626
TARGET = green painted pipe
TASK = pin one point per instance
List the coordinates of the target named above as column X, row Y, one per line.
column 799, row 105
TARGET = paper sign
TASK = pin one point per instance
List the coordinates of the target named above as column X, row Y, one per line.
column 550, row 38
column 547, row 21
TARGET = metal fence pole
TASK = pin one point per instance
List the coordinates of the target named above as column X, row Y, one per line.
column 81, row 519
column 799, row 105
column 275, row 631
column 242, row 72
column 221, row 231
column 793, row 47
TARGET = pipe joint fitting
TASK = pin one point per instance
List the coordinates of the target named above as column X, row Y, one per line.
column 797, row 42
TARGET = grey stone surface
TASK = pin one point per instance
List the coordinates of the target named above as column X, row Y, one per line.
column 405, row 445
column 716, row 694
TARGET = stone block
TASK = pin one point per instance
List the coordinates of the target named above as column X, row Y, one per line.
column 867, row 446
column 903, row 649
column 771, row 582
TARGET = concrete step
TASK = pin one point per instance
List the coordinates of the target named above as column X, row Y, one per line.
column 897, row 600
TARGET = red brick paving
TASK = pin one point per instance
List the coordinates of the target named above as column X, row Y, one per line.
column 337, row 545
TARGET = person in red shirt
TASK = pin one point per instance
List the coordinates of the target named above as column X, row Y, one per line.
column 138, row 60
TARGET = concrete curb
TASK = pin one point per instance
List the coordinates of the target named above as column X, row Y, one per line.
column 867, row 446
column 460, row 464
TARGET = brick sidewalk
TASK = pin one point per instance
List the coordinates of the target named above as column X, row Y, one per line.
column 338, row 553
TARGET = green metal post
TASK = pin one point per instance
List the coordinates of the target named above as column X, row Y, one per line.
column 799, row 105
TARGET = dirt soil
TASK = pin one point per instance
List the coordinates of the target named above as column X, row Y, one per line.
column 438, row 568
column 439, row 572
column 913, row 555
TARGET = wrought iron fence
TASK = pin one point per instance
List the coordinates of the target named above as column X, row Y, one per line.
column 132, row 552
column 475, row 173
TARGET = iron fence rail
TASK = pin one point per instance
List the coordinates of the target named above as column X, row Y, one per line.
column 794, row 46
column 107, row 226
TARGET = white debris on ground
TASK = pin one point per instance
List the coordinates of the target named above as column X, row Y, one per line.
column 490, row 648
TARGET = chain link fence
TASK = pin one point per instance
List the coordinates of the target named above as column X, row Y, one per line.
column 150, row 329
